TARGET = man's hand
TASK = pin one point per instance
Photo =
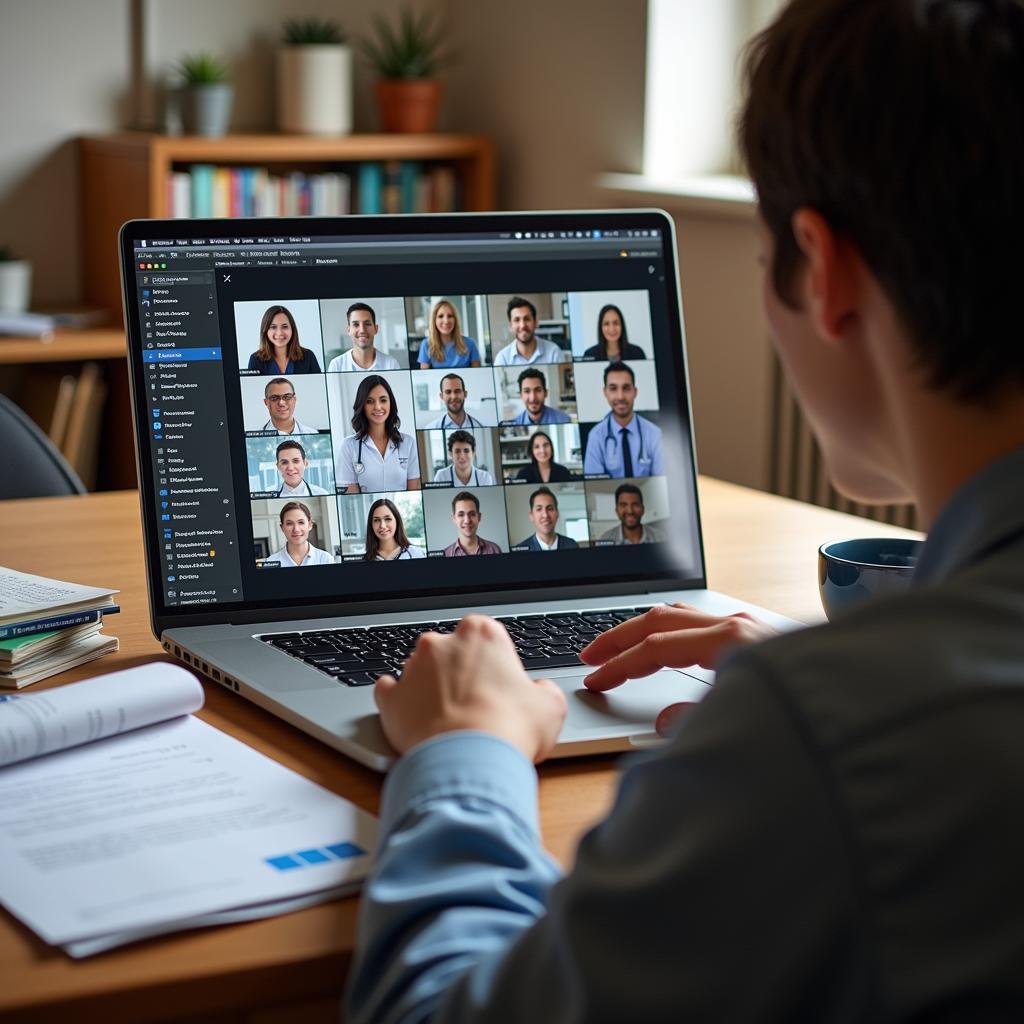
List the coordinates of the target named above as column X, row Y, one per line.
column 669, row 636
column 471, row 679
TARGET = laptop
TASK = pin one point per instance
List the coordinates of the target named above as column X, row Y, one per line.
column 426, row 416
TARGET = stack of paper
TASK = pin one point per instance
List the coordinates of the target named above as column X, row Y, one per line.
column 47, row 626
column 123, row 816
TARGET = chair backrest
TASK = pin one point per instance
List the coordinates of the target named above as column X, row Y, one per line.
column 33, row 466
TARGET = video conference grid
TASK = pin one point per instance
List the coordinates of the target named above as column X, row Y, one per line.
column 472, row 423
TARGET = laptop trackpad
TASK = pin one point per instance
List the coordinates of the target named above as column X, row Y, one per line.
column 629, row 708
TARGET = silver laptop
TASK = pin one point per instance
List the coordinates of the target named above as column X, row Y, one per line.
column 426, row 416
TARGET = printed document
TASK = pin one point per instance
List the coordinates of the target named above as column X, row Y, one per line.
column 156, row 827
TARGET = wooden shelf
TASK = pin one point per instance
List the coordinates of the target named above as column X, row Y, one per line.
column 124, row 177
column 64, row 346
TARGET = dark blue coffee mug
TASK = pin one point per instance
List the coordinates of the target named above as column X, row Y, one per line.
column 850, row 571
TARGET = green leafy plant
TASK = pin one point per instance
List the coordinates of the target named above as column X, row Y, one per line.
column 412, row 50
column 202, row 69
column 312, row 32
column 6, row 255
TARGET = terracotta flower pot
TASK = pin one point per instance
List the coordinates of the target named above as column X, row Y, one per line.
column 408, row 105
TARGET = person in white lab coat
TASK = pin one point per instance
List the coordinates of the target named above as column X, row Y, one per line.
column 296, row 523
column 378, row 456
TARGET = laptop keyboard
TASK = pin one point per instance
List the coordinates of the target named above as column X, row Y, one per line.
column 355, row 656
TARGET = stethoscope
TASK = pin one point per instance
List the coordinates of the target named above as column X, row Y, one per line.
column 476, row 478
column 471, row 423
column 309, row 492
column 360, row 466
column 610, row 437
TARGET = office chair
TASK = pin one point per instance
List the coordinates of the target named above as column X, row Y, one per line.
column 33, row 466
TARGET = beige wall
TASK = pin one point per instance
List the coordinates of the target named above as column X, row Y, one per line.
column 558, row 83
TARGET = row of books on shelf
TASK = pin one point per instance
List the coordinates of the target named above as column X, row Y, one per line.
column 397, row 186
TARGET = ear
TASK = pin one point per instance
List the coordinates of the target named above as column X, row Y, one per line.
column 831, row 276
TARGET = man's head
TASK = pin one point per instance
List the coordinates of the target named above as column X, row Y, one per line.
column 533, row 390
column 544, row 513
column 291, row 462
column 899, row 122
column 279, row 398
column 453, row 393
column 629, row 505
column 462, row 449
column 362, row 326
column 466, row 514
column 522, row 319
column 620, row 389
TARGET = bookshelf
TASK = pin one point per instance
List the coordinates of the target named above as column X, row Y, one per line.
column 75, row 386
column 125, row 176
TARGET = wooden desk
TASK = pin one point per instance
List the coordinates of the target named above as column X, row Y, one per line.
column 759, row 547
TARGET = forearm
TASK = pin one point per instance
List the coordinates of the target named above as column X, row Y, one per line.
column 460, row 873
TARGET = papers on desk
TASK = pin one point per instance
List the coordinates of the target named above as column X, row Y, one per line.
column 154, row 821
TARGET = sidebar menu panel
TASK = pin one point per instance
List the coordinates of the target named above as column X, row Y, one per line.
column 186, row 422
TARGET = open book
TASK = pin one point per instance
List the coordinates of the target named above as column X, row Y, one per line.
column 123, row 816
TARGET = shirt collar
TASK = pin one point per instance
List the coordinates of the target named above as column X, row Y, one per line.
column 982, row 516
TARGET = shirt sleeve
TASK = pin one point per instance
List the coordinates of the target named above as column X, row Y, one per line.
column 593, row 461
column 412, row 468
column 313, row 364
column 657, row 462
column 719, row 887
column 503, row 358
column 423, row 356
column 254, row 362
column 474, row 350
column 344, row 468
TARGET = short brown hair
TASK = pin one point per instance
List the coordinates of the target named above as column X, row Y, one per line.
column 900, row 122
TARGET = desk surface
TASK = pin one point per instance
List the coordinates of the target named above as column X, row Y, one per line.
column 759, row 547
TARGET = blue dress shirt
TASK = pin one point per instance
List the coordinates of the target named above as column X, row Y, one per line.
column 547, row 415
column 604, row 448
column 833, row 835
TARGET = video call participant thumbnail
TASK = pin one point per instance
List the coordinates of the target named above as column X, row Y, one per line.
column 292, row 465
column 629, row 508
column 279, row 350
column 378, row 456
column 456, row 415
column 466, row 516
column 526, row 347
column 362, row 328
column 445, row 346
column 613, row 342
column 623, row 444
column 542, row 468
column 461, row 471
column 280, row 399
column 296, row 523
column 533, row 390
column 386, row 539
column 544, row 516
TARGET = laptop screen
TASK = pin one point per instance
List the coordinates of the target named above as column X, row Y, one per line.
column 408, row 407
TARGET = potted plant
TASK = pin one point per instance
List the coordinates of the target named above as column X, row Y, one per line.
column 407, row 59
column 314, row 78
column 206, row 94
column 15, row 283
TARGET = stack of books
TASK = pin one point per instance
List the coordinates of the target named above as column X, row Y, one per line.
column 48, row 626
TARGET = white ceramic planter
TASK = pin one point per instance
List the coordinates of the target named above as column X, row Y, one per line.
column 314, row 89
column 15, row 285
